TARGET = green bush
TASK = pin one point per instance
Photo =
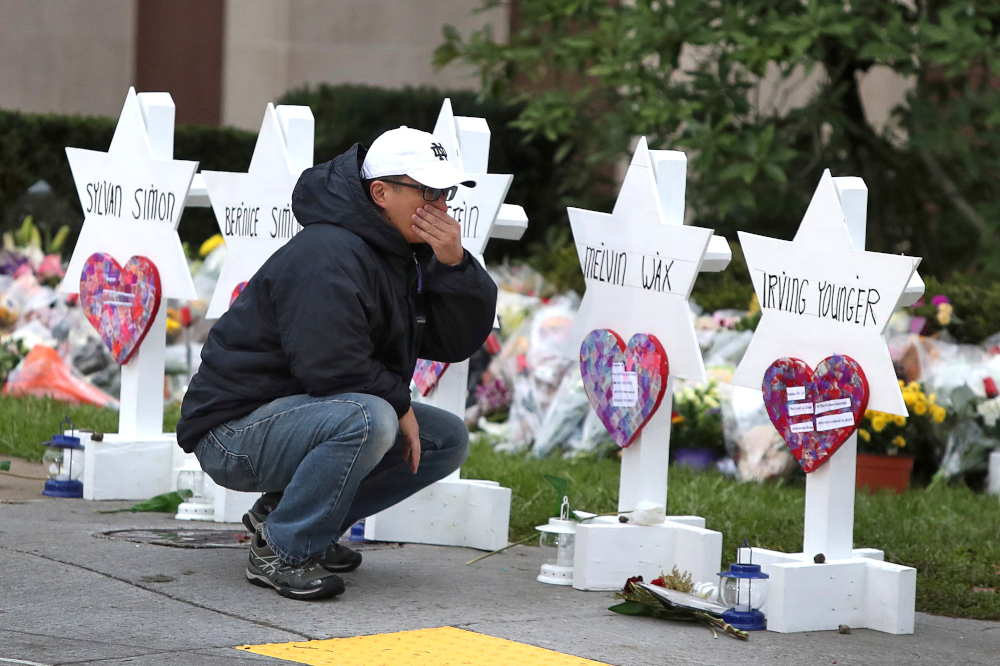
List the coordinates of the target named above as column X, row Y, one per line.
column 977, row 307
column 348, row 114
column 32, row 148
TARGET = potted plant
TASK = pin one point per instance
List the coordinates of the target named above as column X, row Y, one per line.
column 696, row 427
column 883, row 440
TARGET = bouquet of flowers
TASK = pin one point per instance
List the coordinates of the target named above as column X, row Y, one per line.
column 697, row 418
column 670, row 598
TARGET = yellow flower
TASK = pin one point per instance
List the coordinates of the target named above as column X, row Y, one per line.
column 209, row 245
column 944, row 313
column 932, row 398
column 754, row 306
column 913, row 386
column 677, row 418
column 899, row 441
column 878, row 422
column 865, row 435
column 920, row 407
column 902, row 384
column 900, row 420
column 909, row 397
column 172, row 325
column 938, row 413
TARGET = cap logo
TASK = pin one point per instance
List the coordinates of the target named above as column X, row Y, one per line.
column 439, row 152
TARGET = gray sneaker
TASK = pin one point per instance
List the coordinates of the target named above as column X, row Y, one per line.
column 306, row 582
column 337, row 558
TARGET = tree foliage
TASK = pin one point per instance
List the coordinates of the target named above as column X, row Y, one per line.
column 594, row 74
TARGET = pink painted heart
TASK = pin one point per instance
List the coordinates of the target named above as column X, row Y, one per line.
column 427, row 373
column 121, row 302
column 625, row 385
column 237, row 290
column 815, row 412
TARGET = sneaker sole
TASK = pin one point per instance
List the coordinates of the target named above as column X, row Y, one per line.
column 331, row 588
column 340, row 568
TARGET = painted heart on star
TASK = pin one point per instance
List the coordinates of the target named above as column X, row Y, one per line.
column 121, row 302
column 237, row 290
column 625, row 385
column 427, row 373
column 815, row 411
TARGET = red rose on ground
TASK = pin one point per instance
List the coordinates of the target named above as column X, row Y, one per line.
column 628, row 583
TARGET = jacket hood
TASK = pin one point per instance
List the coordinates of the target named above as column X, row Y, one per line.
column 332, row 193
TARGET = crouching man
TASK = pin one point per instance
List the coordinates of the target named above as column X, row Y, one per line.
column 303, row 391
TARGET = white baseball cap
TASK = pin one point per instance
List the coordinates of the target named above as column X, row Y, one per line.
column 419, row 155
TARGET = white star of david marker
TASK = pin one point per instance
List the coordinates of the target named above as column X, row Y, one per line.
column 860, row 290
column 254, row 209
column 640, row 270
column 132, row 203
column 475, row 208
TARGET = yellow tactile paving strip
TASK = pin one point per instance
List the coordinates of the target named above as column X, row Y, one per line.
column 445, row 646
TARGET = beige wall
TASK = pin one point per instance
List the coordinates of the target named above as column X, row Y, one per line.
column 66, row 56
column 272, row 46
column 78, row 56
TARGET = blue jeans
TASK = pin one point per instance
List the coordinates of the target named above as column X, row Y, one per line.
column 337, row 459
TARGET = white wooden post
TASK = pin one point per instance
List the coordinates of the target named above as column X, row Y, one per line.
column 456, row 511
column 829, row 514
column 284, row 149
column 647, row 226
column 645, row 463
column 846, row 585
column 135, row 463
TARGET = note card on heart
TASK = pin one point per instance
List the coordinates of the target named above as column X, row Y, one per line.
column 121, row 302
column 815, row 412
column 625, row 385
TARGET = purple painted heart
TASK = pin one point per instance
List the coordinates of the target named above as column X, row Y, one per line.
column 625, row 385
column 121, row 302
column 815, row 412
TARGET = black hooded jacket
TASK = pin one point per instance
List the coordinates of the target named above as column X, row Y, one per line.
column 346, row 306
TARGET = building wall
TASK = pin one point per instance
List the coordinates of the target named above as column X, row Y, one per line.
column 80, row 56
column 66, row 56
column 272, row 46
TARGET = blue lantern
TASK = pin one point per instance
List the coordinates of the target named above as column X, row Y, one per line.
column 63, row 461
column 744, row 591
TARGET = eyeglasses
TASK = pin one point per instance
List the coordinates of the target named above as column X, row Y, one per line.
column 430, row 193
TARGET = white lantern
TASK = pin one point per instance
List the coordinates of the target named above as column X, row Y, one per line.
column 200, row 505
column 558, row 542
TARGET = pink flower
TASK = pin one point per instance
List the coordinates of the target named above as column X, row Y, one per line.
column 24, row 269
column 940, row 299
column 51, row 267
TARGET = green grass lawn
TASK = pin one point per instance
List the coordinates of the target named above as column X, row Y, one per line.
column 950, row 534
column 27, row 422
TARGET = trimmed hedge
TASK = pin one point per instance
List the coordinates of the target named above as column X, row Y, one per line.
column 32, row 148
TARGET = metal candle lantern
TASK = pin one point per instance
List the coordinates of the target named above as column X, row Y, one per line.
column 744, row 591
column 199, row 506
column 558, row 538
column 63, row 461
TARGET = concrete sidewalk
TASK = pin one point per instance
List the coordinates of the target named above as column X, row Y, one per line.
column 67, row 596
